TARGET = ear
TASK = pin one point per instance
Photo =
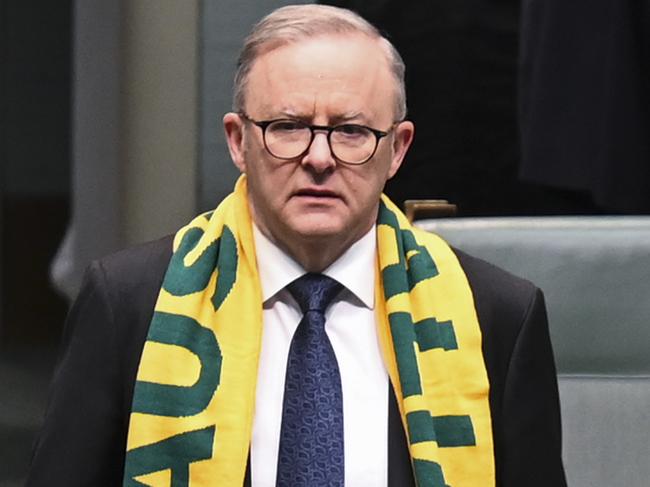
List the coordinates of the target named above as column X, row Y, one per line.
column 402, row 138
column 233, row 127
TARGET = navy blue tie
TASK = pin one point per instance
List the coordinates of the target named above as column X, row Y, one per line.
column 311, row 438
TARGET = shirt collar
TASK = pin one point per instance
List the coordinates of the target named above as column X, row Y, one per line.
column 355, row 269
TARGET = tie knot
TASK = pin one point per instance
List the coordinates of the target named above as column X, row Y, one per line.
column 314, row 292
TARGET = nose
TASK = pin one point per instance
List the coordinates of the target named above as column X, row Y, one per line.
column 319, row 156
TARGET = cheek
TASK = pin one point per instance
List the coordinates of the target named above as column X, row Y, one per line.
column 256, row 168
column 369, row 184
column 374, row 177
column 269, row 183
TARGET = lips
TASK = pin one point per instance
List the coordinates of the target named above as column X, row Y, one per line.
column 316, row 193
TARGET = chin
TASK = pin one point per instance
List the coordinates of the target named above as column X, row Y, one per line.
column 317, row 231
column 315, row 225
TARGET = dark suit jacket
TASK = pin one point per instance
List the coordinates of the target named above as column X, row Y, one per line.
column 83, row 439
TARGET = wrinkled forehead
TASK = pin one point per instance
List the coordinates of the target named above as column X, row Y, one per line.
column 339, row 70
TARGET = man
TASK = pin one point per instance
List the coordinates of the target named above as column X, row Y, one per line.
column 303, row 333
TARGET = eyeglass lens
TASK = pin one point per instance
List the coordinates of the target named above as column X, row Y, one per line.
column 288, row 139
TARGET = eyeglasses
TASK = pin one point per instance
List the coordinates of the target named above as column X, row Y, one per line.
column 290, row 139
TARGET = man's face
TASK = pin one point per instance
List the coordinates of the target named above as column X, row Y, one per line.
column 314, row 199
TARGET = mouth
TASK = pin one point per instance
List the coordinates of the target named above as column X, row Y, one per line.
column 316, row 194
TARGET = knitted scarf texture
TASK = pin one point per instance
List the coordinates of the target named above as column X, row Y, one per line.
column 194, row 400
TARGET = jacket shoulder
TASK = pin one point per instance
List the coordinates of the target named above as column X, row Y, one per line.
column 503, row 303
column 130, row 281
column 141, row 265
column 494, row 285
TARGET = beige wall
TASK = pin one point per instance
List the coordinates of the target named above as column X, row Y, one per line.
column 159, row 133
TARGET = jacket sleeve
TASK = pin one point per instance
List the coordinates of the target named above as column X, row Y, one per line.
column 82, row 441
column 531, row 410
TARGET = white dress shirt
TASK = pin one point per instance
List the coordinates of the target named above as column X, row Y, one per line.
column 350, row 326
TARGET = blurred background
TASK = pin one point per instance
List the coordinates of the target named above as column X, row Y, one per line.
column 110, row 134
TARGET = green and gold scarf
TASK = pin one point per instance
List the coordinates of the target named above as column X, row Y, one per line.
column 194, row 397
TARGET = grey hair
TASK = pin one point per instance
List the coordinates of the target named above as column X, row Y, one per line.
column 293, row 23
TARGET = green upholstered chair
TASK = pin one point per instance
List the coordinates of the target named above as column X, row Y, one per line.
column 595, row 274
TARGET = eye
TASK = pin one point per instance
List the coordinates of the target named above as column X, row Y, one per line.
column 351, row 131
column 286, row 126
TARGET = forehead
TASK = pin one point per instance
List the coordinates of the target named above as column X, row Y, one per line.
column 334, row 75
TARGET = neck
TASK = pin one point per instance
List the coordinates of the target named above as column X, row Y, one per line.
column 314, row 257
column 314, row 254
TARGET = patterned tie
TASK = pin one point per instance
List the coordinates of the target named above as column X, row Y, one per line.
column 311, row 438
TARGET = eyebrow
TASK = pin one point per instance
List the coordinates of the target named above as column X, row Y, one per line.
column 351, row 116
column 335, row 120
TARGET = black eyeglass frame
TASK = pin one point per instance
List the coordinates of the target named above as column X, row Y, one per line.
column 263, row 124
